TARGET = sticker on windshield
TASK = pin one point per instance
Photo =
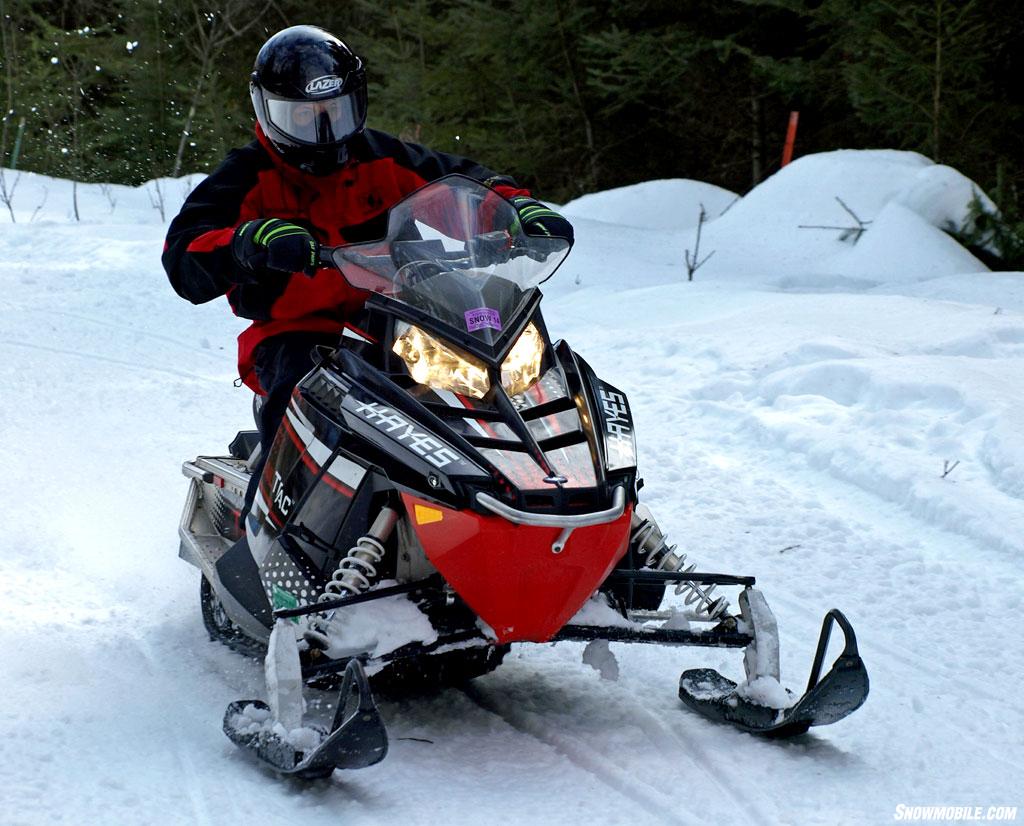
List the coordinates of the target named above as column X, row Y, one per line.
column 482, row 318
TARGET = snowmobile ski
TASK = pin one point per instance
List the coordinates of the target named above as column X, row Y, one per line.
column 839, row 693
column 357, row 738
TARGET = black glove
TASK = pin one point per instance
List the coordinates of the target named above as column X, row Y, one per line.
column 538, row 220
column 270, row 245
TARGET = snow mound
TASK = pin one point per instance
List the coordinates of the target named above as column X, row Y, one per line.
column 673, row 203
column 789, row 231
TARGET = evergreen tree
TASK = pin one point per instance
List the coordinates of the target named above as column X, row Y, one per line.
column 915, row 69
column 569, row 96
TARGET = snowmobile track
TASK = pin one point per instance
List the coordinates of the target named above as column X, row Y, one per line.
column 843, row 495
column 904, row 659
column 193, row 783
column 657, row 802
column 49, row 312
column 128, row 365
column 908, row 659
column 656, row 729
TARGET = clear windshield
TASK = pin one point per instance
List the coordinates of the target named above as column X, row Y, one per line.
column 455, row 249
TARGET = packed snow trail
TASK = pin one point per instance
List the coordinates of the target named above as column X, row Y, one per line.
column 933, row 608
column 793, row 428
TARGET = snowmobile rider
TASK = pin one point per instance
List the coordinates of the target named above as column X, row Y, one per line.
column 314, row 175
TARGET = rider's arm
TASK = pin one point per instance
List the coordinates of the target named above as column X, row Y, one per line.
column 197, row 253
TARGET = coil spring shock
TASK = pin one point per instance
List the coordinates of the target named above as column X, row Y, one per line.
column 648, row 539
column 357, row 571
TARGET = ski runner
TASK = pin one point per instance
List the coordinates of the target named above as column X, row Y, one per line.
column 314, row 175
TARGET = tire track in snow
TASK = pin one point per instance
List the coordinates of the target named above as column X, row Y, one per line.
column 131, row 365
column 653, row 800
column 193, row 783
column 121, row 328
column 657, row 729
column 851, row 495
column 840, row 495
column 888, row 648
column 901, row 657
column 910, row 662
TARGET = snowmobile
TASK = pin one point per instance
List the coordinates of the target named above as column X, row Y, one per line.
column 446, row 482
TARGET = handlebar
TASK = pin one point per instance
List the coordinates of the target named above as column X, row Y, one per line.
column 326, row 256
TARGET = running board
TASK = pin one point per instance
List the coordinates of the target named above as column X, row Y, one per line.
column 222, row 471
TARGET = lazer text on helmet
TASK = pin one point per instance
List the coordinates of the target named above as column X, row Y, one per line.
column 323, row 84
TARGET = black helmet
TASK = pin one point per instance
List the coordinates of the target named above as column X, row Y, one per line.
column 309, row 92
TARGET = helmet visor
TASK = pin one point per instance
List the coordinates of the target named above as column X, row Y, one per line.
column 318, row 121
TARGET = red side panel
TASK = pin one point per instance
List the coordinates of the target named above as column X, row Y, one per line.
column 508, row 574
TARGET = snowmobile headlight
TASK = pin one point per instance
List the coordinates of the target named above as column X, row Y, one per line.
column 521, row 368
column 439, row 365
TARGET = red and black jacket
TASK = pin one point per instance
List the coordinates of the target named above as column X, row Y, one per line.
column 347, row 206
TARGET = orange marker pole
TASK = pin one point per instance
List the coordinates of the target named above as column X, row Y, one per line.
column 787, row 150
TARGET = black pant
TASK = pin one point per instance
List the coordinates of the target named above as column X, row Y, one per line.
column 281, row 363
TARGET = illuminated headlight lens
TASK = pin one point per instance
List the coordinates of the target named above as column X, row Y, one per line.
column 438, row 365
column 521, row 368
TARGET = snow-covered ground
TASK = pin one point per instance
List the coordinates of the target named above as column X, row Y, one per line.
column 843, row 421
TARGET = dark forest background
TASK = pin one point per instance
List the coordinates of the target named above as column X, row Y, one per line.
column 569, row 96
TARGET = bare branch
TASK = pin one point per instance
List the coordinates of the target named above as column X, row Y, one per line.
column 853, row 214
column 108, row 193
column 156, row 197
column 213, row 31
column 696, row 262
column 42, row 203
column 846, row 232
column 7, row 195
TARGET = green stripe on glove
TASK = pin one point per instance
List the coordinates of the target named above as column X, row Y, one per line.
column 537, row 219
column 272, row 246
